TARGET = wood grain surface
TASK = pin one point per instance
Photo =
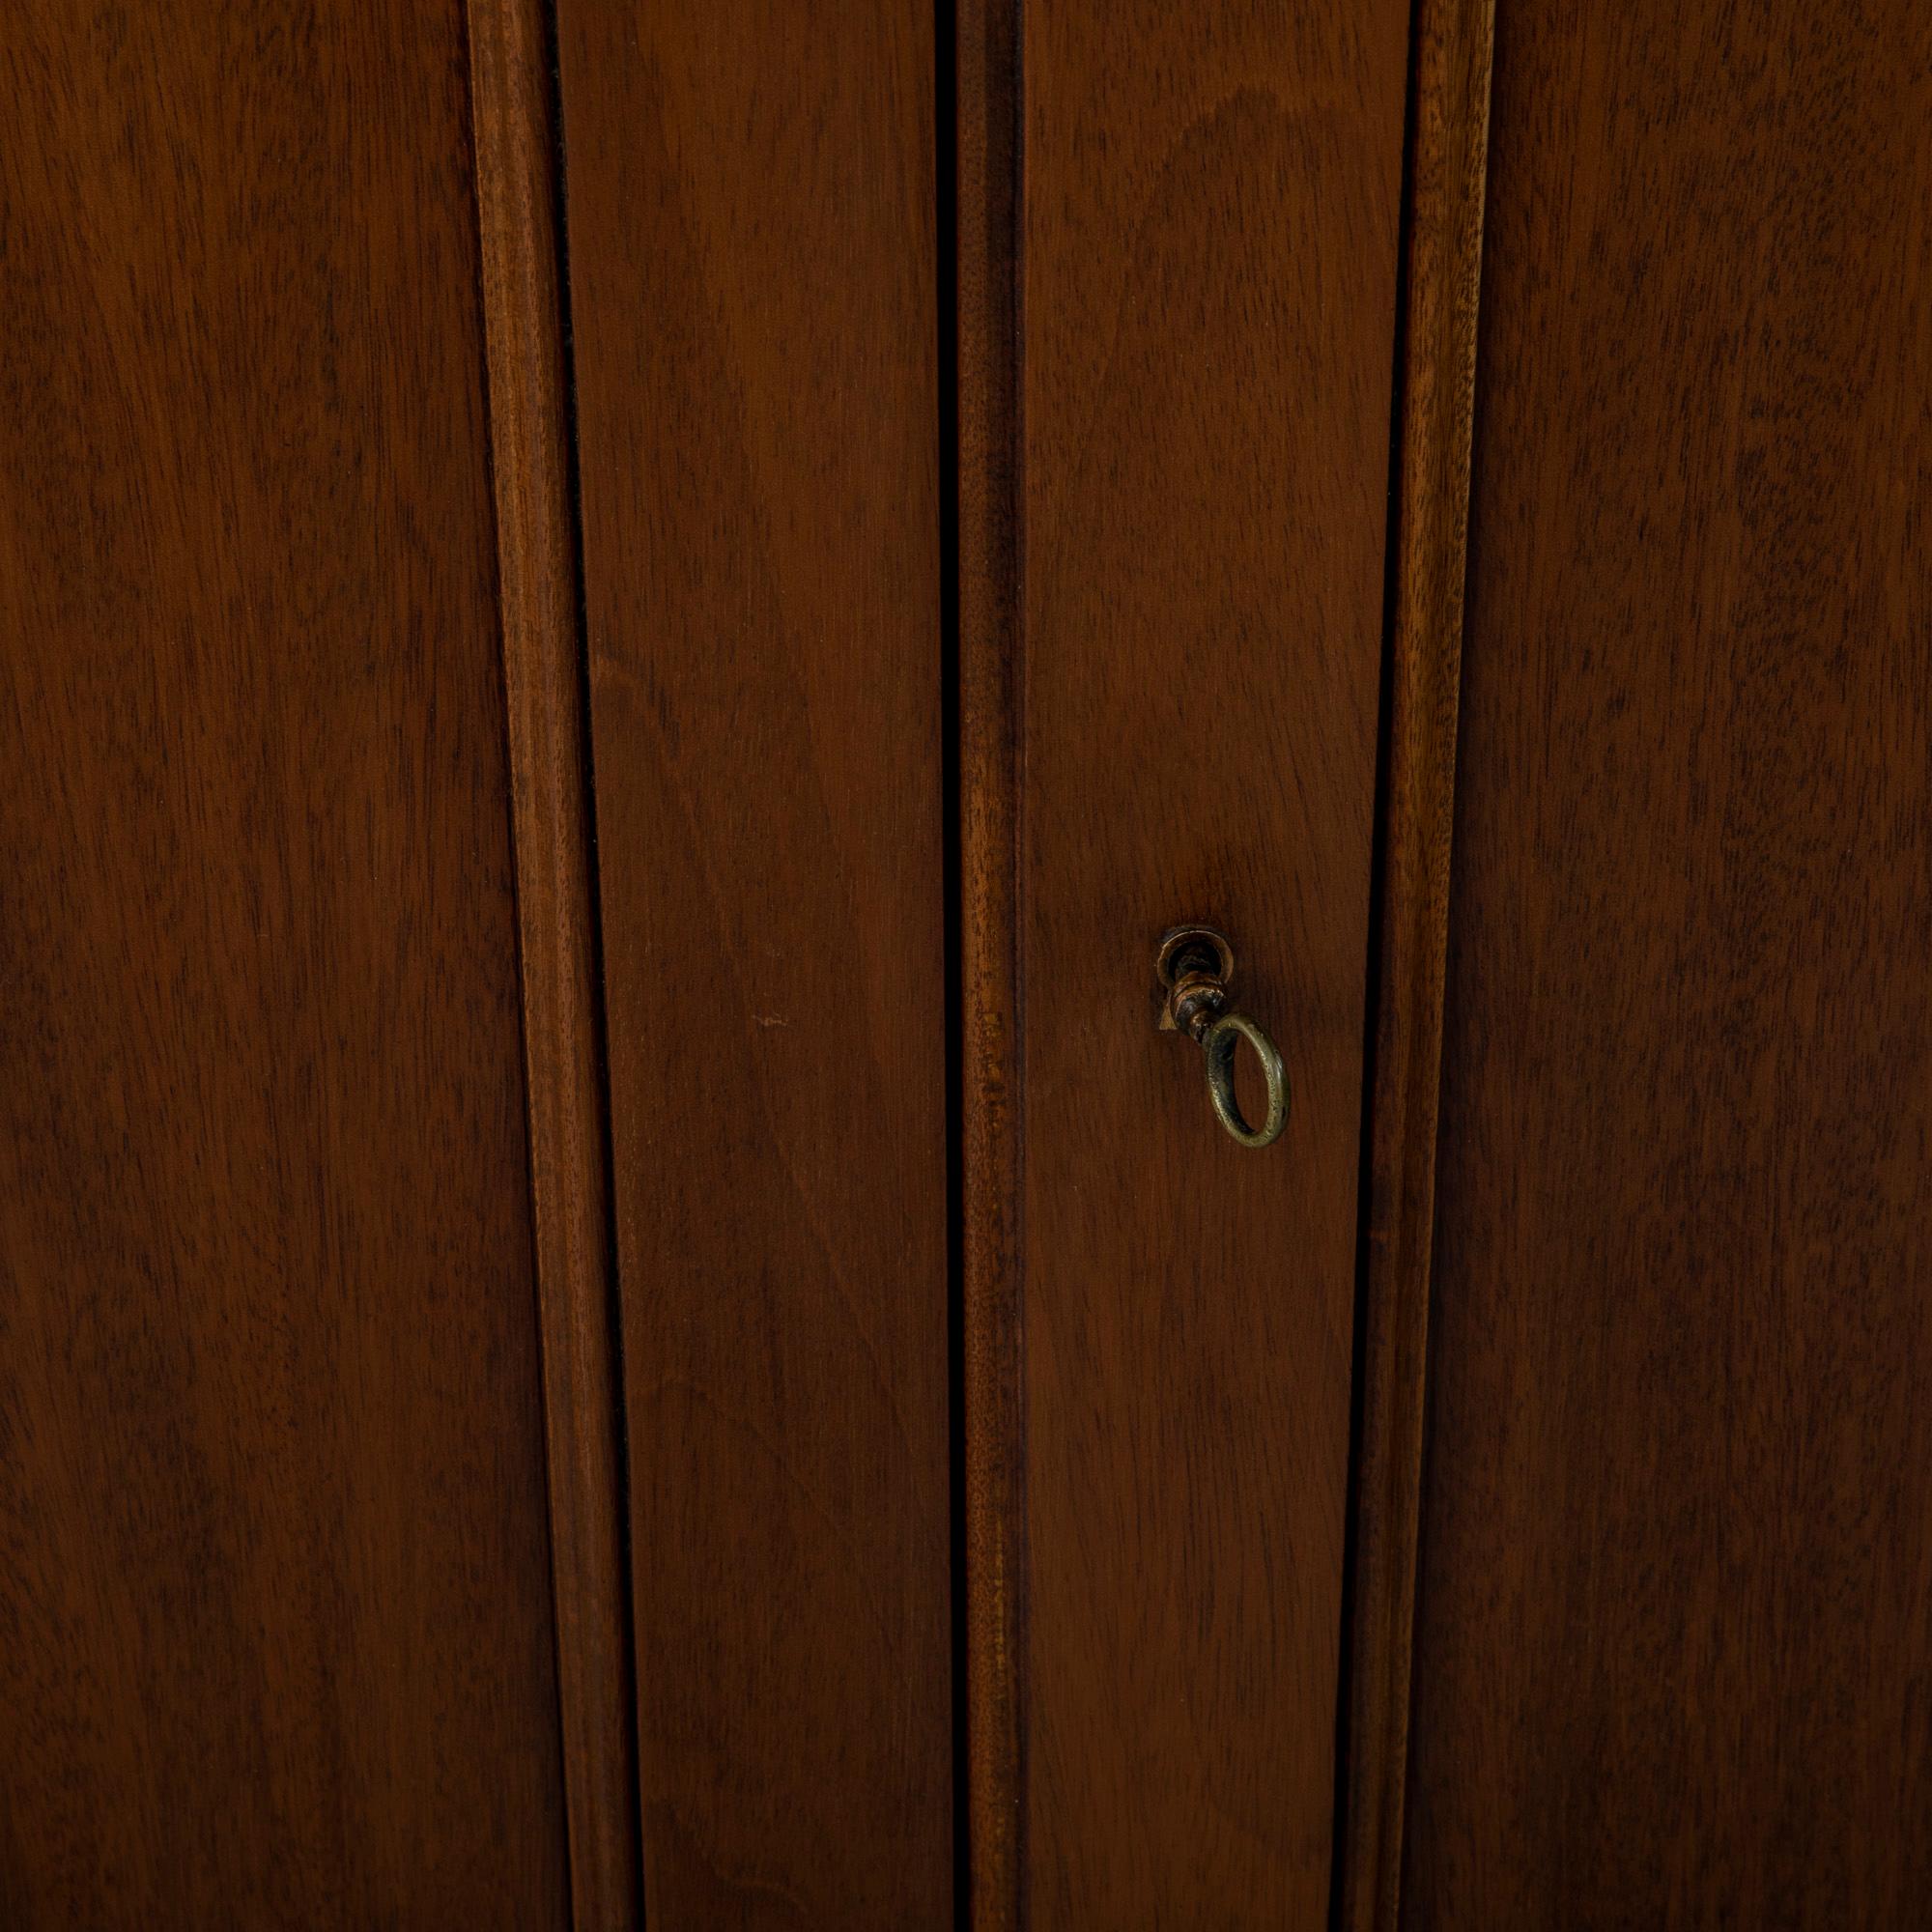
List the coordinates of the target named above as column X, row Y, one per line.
column 1448, row 139
column 512, row 83
column 275, row 1638
column 1209, row 246
column 986, row 346
column 752, row 207
column 1675, row 1616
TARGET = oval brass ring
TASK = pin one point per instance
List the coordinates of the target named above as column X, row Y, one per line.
column 1218, row 1041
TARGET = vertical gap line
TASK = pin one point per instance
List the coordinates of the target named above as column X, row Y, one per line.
column 1374, row 964
column 988, row 459
column 946, row 198
column 599, row 1012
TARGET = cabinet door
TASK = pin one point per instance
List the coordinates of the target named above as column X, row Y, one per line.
column 275, row 1633
column 1177, row 266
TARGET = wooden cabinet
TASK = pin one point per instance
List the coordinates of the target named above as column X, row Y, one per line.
column 622, row 629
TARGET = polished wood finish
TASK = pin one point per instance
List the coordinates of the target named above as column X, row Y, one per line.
column 511, row 83
column 752, row 207
column 1673, row 1623
column 986, row 389
column 1448, row 144
column 275, row 1637
column 1209, row 240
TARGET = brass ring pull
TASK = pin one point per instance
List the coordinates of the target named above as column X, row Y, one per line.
column 1219, row 1038
column 1195, row 966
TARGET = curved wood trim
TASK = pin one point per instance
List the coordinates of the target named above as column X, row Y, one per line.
column 1448, row 153
column 551, row 811
column 987, row 370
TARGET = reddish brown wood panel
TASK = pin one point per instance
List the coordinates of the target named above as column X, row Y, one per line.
column 752, row 208
column 1210, row 242
column 275, row 1639
column 1674, row 1623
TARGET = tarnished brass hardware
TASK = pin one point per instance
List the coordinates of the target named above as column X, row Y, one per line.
column 1218, row 1040
column 1197, row 967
